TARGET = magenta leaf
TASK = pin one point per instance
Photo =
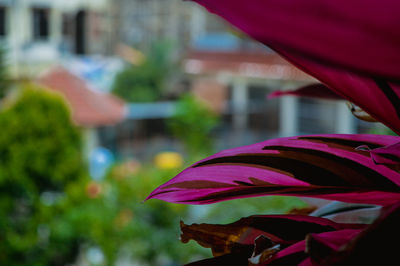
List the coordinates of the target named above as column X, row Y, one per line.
column 321, row 246
column 376, row 241
column 321, row 166
column 313, row 91
column 280, row 229
column 314, row 249
column 389, row 155
column 327, row 39
column 258, row 237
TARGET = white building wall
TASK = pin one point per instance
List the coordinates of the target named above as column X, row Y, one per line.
column 346, row 122
column 19, row 43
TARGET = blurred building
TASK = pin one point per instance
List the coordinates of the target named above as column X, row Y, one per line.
column 38, row 32
column 227, row 70
column 236, row 82
column 141, row 23
column 235, row 74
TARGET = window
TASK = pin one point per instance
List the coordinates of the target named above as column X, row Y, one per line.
column 263, row 115
column 80, row 33
column 40, row 23
column 317, row 116
column 3, row 23
column 67, row 25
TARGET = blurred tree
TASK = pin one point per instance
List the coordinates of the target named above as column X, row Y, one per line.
column 40, row 153
column 193, row 122
column 51, row 212
column 145, row 82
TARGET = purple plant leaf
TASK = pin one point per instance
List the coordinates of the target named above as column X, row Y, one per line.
column 320, row 166
column 389, row 155
column 376, row 241
column 238, row 236
column 327, row 39
column 313, row 91
column 321, row 246
column 314, row 249
column 263, row 235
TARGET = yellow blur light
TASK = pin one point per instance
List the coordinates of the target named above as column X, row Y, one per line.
column 168, row 160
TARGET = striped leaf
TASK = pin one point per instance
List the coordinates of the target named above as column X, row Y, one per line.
column 314, row 250
column 276, row 239
column 389, row 155
column 239, row 236
column 321, row 166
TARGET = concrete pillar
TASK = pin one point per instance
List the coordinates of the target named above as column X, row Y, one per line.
column 239, row 104
column 345, row 121
column 197, row 23
column 173, row 20
column 288, row 119
column 55, row 25
column 19, row 32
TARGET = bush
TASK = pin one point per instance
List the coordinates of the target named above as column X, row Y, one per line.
column 139, row 83
column 40, row 154
column 145, row 82
column 50, row 211
column 111, row 217
column 192, row 123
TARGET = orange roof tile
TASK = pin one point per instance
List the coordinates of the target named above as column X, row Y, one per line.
column 89, row 108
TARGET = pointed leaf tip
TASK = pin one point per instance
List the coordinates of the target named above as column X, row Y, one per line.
column 321, row 166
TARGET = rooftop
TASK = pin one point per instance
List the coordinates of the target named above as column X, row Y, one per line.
column 89, row 108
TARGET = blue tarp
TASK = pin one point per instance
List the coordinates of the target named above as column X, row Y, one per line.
column 150, row 110
column 217, row 42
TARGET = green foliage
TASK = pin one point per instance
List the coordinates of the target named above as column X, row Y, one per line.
column 381, row 129
column 139, row 83
column 145, row 82
column 116, row 220
column 193, row 122
column 40, row 153
column 231, row 211
column 50, row 211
